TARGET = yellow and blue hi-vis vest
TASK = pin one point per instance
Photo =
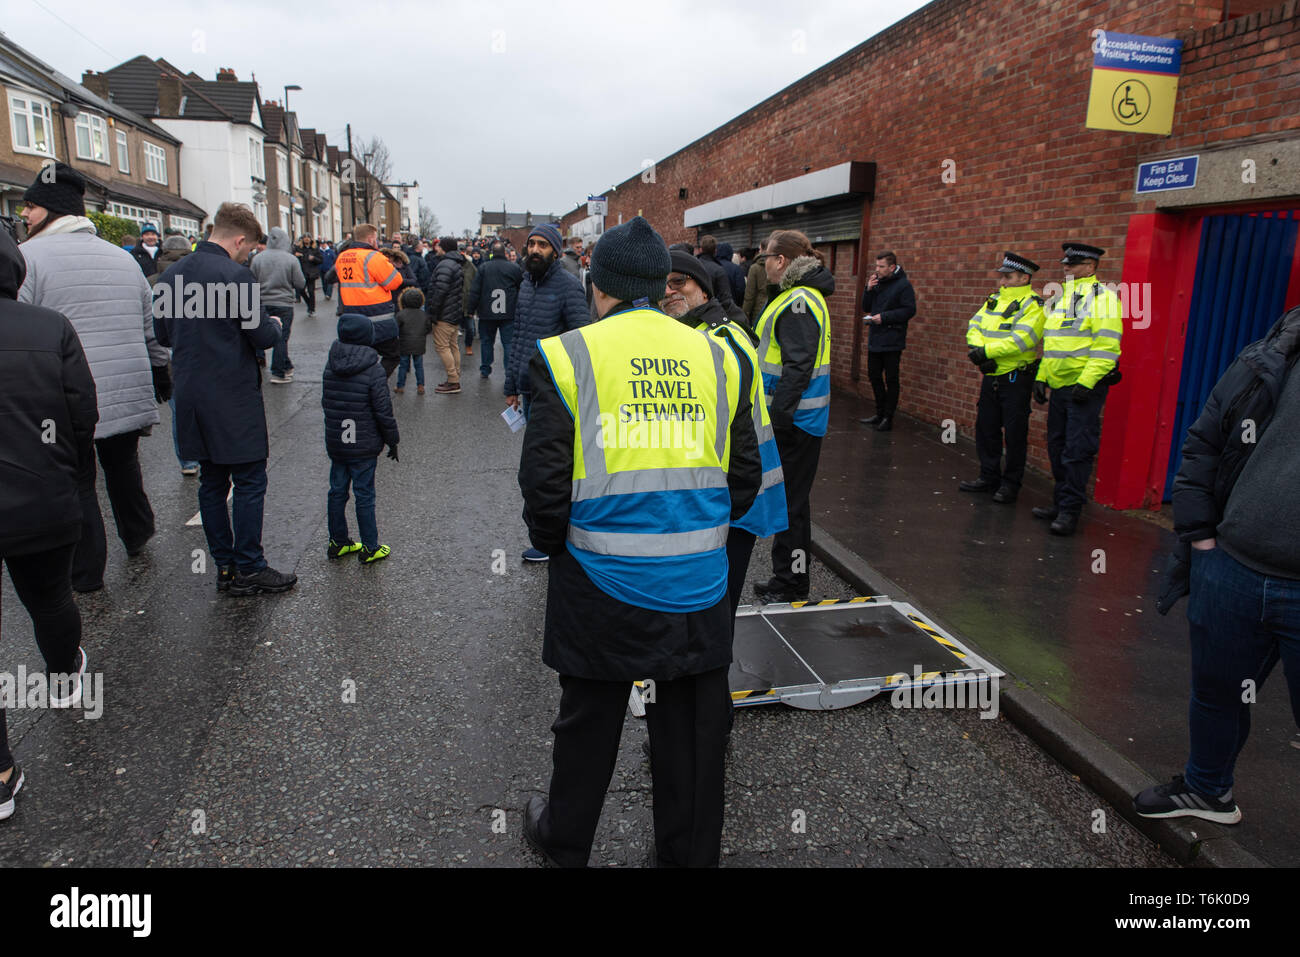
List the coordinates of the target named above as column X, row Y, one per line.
column 652, row 403
column 813, row 411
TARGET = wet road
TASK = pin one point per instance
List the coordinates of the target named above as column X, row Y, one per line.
column 400, row 713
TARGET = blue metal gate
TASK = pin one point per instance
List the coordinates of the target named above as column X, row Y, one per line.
column 1242, row 271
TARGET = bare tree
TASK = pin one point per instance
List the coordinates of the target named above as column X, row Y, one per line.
column 429, row 224
column 374, row 155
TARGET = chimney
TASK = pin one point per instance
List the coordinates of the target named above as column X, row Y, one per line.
column 169, row 96
column 225, row 75
column 96, row 83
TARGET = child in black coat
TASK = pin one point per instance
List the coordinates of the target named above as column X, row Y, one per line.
column 413, row 325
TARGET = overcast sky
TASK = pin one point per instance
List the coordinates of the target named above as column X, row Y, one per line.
column 534, row 103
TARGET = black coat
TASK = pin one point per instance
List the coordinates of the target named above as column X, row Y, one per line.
column 800, row 337
column 310, row 259
column 895, row 301
column 414, row 326
column 546, row 308
column 1215, row 452
column 718, row 277
column 589, row 633
column 494, row 293
column 47, row 392
column 353, row 386
column 447, row 289
column 217, row 384
column 148, row 264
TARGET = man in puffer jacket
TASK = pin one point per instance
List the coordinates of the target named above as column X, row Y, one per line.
column 446, row 306
column 358, row 423
column 102, row 291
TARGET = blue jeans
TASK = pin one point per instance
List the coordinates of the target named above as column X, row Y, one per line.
column 176, row 442
column 526, row 404
column 1242, row 622
column 360, row 474
column 487, row 332
column 280, row 363
column 405, row 364
column 242, row 547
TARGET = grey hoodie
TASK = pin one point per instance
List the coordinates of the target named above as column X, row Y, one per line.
column 277, row 270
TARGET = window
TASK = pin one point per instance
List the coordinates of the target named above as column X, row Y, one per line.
column 155, row 163
column 32, row 128
column 92, row 138
column 297, row 175
column 284, row 218
column 189, row 227
column 259, row 209
column 282, row 171
column 123, row 157
column 136, row 214
column 256, row 162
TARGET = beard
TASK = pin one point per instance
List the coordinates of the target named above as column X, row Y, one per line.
column 537, row 264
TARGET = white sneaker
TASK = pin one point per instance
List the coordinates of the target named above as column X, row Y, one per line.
column 8, row 791
column 73, row 697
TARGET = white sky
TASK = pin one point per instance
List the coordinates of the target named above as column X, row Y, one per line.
column 537, row 104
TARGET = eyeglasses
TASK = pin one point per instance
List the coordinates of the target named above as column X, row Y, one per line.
column 677, row 282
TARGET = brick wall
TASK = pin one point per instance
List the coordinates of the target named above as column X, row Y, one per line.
column 1001, row 90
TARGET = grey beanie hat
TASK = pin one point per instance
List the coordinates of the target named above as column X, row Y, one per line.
column 631, row 262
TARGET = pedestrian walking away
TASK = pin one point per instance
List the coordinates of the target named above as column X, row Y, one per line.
column 494, row 296
column 280, row 278
column 414, row 325
column 888, row 303
column 310, row 259
column 106, row 297
column 221, row 420
column 1081, row 349
column 1003, row 340
column 47, row 384
column 794, row 351
column 657, row 609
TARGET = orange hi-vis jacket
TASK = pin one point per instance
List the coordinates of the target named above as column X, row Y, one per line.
column 367, row 279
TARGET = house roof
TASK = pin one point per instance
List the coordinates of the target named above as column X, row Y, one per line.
column 135, row 82
column 144, row 195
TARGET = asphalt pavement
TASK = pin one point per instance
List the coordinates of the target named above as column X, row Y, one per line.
column 400, row 713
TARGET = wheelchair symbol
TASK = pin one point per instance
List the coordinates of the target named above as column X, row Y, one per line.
column 1130, row 102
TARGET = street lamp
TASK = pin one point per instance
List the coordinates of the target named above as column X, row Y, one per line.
column 291, row 86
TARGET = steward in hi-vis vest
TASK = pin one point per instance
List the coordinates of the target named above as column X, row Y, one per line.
column 640, row 450
column 1080, row 364
column 1003, row 338
column 794, row 353
column 690, row 300
column 366, row 277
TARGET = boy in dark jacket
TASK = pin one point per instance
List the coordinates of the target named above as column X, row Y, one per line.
column 358, row 423
column 413, row 325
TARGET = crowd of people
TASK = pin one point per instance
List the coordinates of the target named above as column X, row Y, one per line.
column 675, row 400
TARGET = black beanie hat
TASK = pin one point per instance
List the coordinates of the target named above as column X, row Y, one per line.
column 631, row 262
column 688, row 265
column 61, row 190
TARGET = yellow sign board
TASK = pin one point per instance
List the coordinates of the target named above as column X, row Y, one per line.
column 1134, row 83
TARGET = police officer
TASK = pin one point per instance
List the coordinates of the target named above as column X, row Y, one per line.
column 1003, row 338
column 639, row 452
column 1080, row 363
column 794, row 352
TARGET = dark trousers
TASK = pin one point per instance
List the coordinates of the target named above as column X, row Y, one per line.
column 132, row 513
column 792, row 548
column 1004, row 408
column 308, row 294
column 487, row 333
column 325, row 287
column 242, row 545
column 1241, row 623
column 467, row 326
column 687, row 721
column 882, row 372
column 1073, row 436
column 280, row 363
column 43, row 581
column 740, row 545
column 360, row 475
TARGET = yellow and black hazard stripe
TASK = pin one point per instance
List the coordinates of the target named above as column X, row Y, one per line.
column 929, row 629
column 924, row 676
column 832, row 601
column 742, row 695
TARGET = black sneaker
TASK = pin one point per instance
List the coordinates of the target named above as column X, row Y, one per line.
column 267, row 580
column 8, row 790
column 772, row 592
column 225, row 575
column 873, row 420
column 1176, row 799
column 978, row 485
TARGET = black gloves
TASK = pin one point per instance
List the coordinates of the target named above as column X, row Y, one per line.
column 1040, row 392
column 989, row 366
column 1081, row 394
column 162, row 383
column 978, row 356
column 392, row 453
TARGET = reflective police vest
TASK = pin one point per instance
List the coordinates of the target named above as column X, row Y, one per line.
column 1008, row 326
column 652, row 403
column 769, row 514
column 813, row 411
column 366, row 281
column 1082, row 335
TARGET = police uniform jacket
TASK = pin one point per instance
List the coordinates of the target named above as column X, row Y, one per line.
column 588, row 633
